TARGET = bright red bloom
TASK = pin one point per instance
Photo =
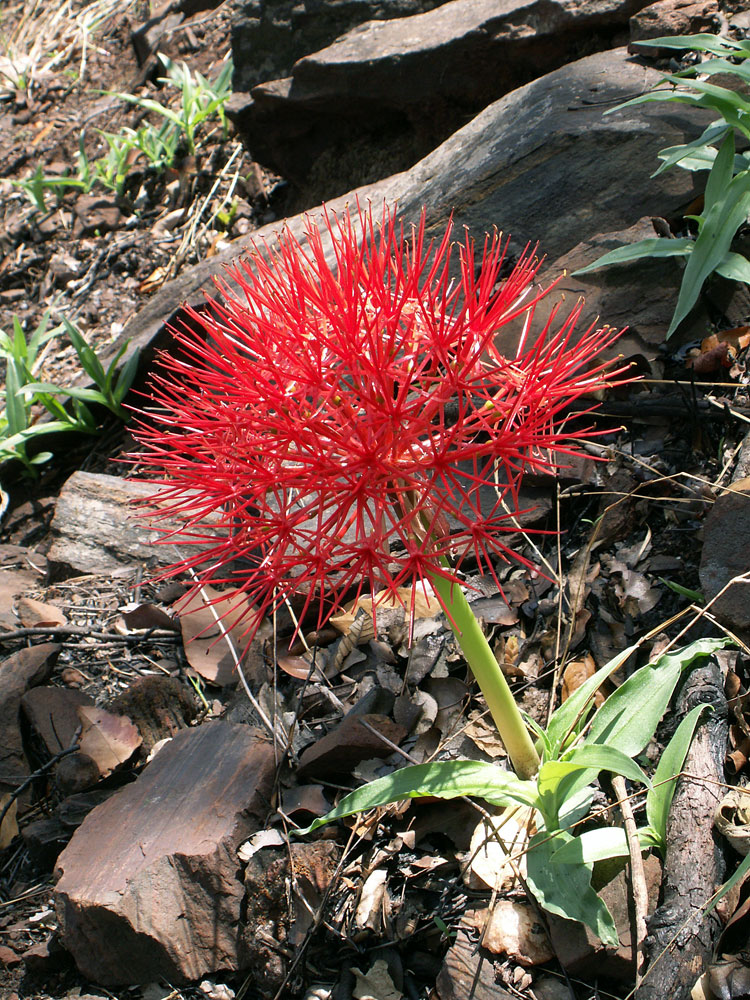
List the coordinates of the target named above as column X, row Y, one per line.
column 340, row 421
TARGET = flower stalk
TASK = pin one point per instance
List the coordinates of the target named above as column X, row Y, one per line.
column 489, row 676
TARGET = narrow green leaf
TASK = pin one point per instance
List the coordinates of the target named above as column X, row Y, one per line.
column 721, row 223
column 701, row 150
column 691, row 595
column 16, row 411
column 569, row 895
column 654, row 247
column 443, row 780
column 86, row 355
column 738, row 876
column 721, row 174
column 660, row 795
column 570, row 717
column 735, row 267
column 599, row 845
column 628, row 718
column 89, row 395
column 702, row 42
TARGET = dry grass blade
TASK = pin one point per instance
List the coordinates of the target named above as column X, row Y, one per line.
column 47, row 36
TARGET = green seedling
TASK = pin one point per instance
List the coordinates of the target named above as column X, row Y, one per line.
column 23, row 393
column 575, row 747
column 727, row 195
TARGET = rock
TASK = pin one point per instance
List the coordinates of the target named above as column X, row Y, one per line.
column 579, row 950
column 610, row 292
column 159, row 706
column 468, row 971
column 269, row 36
column 51, row 714
column 95, row 214
column 21, row 570
column 672, row 17
column 19, row 672
column 344, row 747
column 148, row 885
column 409, row 83
column 89, row 505
column 271, row 926
column 534, row 164
column 726, row 554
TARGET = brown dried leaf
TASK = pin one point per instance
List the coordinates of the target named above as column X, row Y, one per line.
column 424, row 607
column 204, row 618
column 148, row 616
column 577, row 673
column 32, row 613
column 9, row 826
column 110, row 740
column 512, row 929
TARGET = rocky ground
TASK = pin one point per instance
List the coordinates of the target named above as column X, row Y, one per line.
column 180, row 878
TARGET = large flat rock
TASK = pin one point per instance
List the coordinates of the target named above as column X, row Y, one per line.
column 408, row 83
column 149, row 885
column 543, row 164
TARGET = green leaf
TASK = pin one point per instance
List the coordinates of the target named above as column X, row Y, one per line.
column 698, row 43
column 89, row 361
column 16, row 411
column 701, row 149
column 89, row 395
column 599, row 845
column 721, row 222
column 558, row 780
column 653, row 247
column 628, row 718
column 721, row 174
column 735, row 267
column 569, row 718
column 738, row 876
column 660, row 795
column 691, row 595
column 443, row 780
column 567, row 893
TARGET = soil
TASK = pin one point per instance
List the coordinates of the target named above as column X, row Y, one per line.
column 630, row 527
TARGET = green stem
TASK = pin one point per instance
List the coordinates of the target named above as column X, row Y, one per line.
column 489, row 676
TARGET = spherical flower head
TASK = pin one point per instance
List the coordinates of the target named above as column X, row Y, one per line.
column 343, row 422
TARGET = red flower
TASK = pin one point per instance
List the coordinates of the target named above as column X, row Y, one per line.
column 353, row 427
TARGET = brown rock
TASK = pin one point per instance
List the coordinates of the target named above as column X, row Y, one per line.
column 726, row 555
column 83, row 539
column 391, row 90
column 672, row 17
column 93, row 214
column 18, row 673
column 159, row 706
column 21, row 570
column 468, row 971
column 343, row 748
column 581, row 952
column 270, row 921
column 51, row 714
column 148, row 886
column 639, row 296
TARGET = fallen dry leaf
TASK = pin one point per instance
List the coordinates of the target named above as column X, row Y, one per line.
column 376, row 983
column 511, row 928
column 110, row 740
column 148, row 616
column 374, row 902
column 205, row 617
column 577, row 673
column 424, row 607
column 9, row 826
column 495, row 865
